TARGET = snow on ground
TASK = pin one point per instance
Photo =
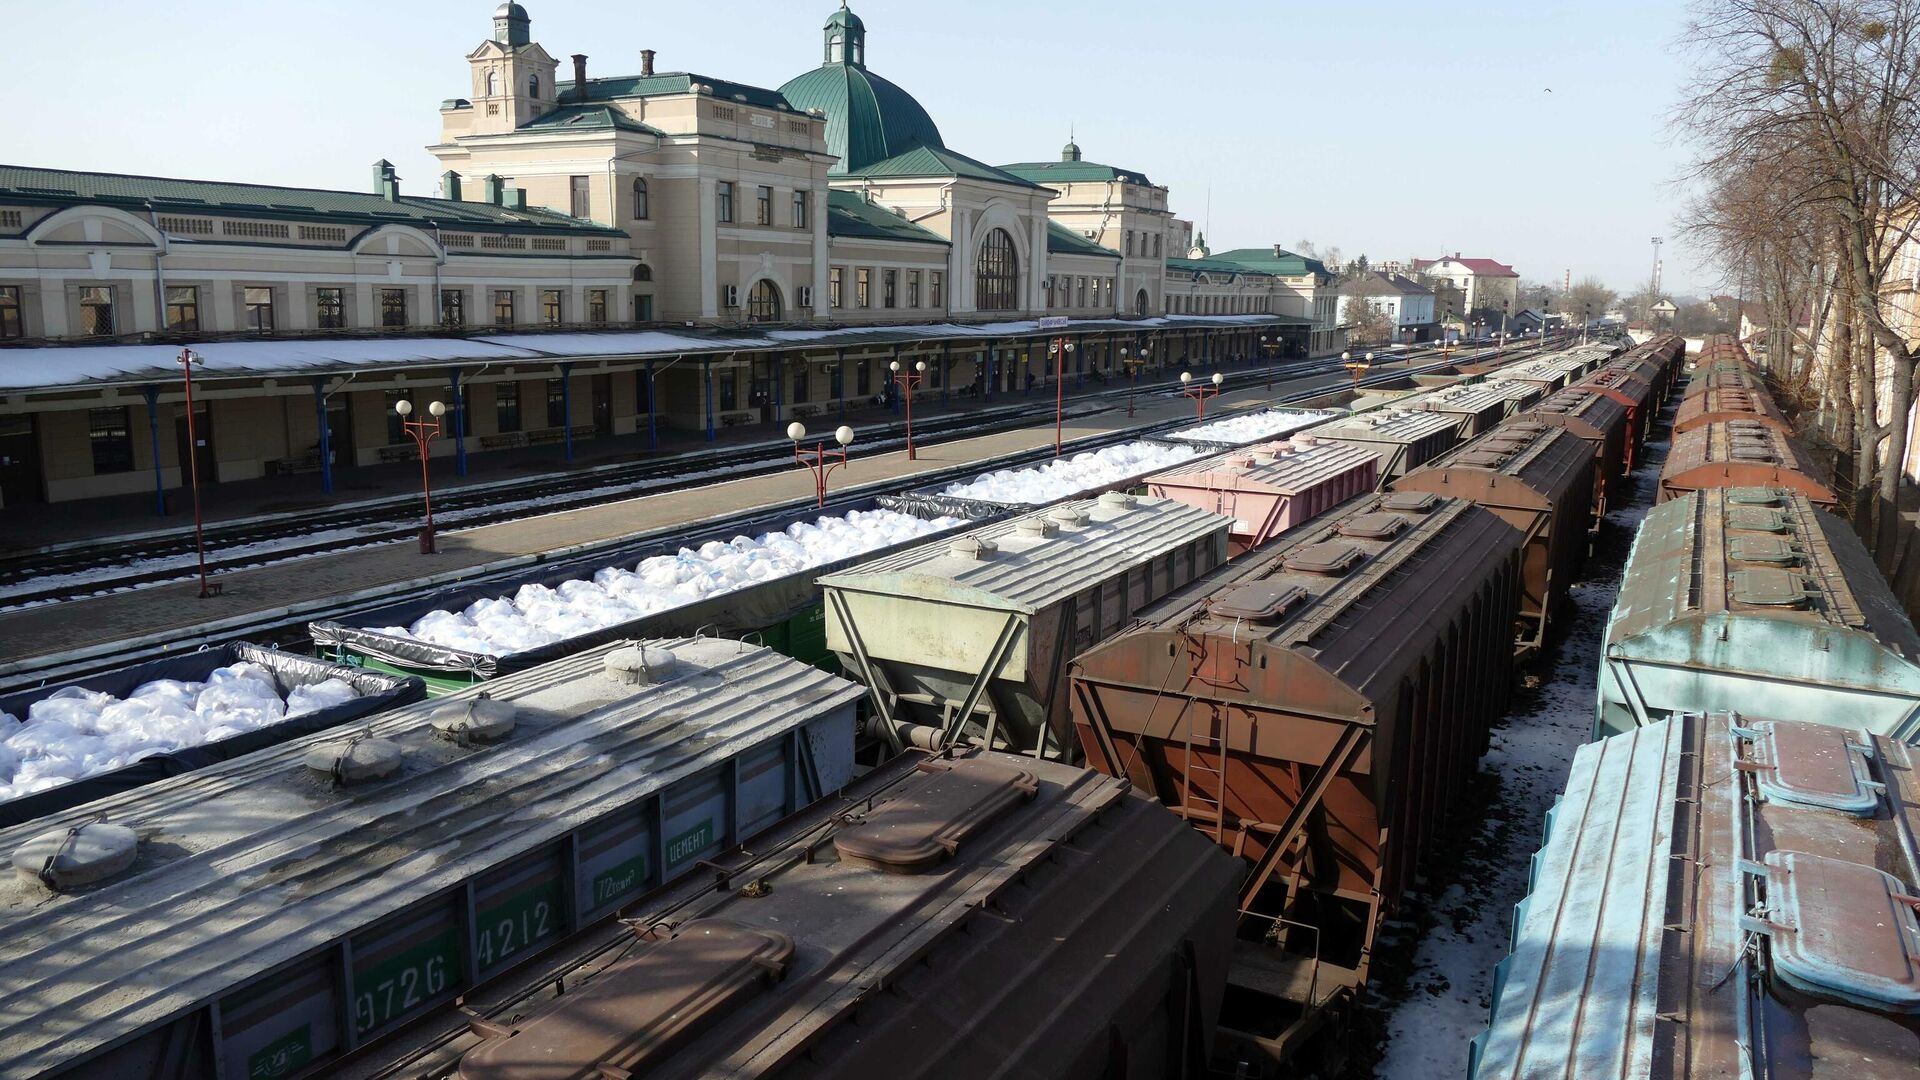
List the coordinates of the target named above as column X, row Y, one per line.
column 1457, row 927
column 1255, row 426
column 1067, row 476
column 74, row 733
column 537, row 615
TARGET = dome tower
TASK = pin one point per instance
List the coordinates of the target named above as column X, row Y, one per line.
column 868, row 118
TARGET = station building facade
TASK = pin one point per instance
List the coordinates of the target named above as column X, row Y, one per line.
column 603, row 256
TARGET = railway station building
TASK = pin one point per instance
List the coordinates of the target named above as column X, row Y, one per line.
column 602, row 256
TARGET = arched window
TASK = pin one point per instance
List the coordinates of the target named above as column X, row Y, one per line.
column 836, row 49
column 763, row 303
column 643, row 272
column 533, row 86
column 996, row 280
column 1140, row 302
column 639, row 198
column 493, row 84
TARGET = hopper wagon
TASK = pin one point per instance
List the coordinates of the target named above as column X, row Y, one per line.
column 274, row 915
column 1604, row 424
column 1480, row 407
column 1403, row 439
column 967, row 640
column 960, row 915
column 1741, row 453
column 1734, row 595
column 1315, row 707
column 1719, row 895
column 1271, row 488
column 1538, row 479
column 1719, row 404
column 1633, row 393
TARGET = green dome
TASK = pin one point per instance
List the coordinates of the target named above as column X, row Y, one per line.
column 868, row 118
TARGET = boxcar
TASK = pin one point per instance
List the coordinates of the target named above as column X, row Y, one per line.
column 1719, row 895
column 1403, row 439
column 1478, row 406
column 1754, row 594
column 1604, row 424
column 1314, row 707
column 291, row 906
column 1539, row 480
column 968, row 640
column 1272, row 488
column 955, row 916
column 1741, row 453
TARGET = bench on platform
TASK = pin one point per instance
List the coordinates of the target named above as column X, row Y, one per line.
column 296, row 463
column 393, row 455
column 506, row 440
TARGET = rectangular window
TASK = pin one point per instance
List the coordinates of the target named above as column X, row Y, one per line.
column 863, row 288
column 259, row 305
column 1080, row 286
column 764, row 208
column 889, row 285
column 396, row 424
column 836, row 288
column 913, row 288
column 582, row 201
column 183, row 307
column 936, row 288
column 96, row 310
column 862, row 381
column 550, row 306
column 506, row 406
column 556, row 403
column 330, row 309
column 503, row 307
column 1049, row 293
column 643, row 309
column 728, row 396
column 800, row 383
column 799, row 209
column 393, row 307
column 12, row 315
column 1129, row 243
column 723, row 201
column 1156, row 245
column 110, row 432
column 453, row 307
column 596, row 305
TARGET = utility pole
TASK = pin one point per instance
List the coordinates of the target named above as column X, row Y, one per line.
column 1653, row 284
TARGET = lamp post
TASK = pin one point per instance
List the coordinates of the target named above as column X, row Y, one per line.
column 1133, row 362
column 423, row 432
column 188, row 358
column 824, row 461
column 906, row 381
column 1200, row 391
column 1058, row 349
column 1356, row 368
column 1270, row 345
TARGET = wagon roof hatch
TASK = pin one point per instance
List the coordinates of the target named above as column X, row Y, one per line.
column 1768, row 587
column 1754, row 496
column 1483, row 459
column 927, row 824
column 1756, row 519
column 1762, row 549
column 1843, row 929
column 1817, row 766
column 1257, row 601
column 1372, row 526
column 1409, row 502
column 1331, row 558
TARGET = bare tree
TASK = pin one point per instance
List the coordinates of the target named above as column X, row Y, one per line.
column 1366, row 321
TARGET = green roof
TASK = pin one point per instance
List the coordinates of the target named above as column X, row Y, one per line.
column 670, row 83
column 868, row 118
column 1075, row 172
column 588, row 118
column 1284, row 264
column 1214, row 265
column 44, row 187
column 939, row 161
column 850, row 215
column 1064, row 241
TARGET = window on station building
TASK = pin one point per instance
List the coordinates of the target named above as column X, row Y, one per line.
column 836, row 288
column 862, row 379
column 889, row 288
column 533, row 86
column 997, row 273
column 937, row 288
column 552, row 311
column 393, row 307
column 12, row 314
column 643, row 309
column 763, row 302
column 96, row 310
column 396, row 424
column 111, row 434
column 723, row 201
column 729, row 397
column 580, row 197
column 330, row 309
column 1129, row 243
column 763, row 205
column 453, row 308
column 640, row 198
column 503, row 307
column 258, row 302
column 1080, row 291
column 800, row 388
column 506, row 406
column 596, row 305
column 913, row 288
column 1156, row 245
column 863, row 288
column 799, row 214
column 556, row 403
column 183, row 308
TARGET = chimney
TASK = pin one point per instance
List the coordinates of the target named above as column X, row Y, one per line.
column 386, row 182
column 579, row 77
column 646, row 62
column 494, row 189
column 450, row 185
column 519, row 199
column 1278, row 251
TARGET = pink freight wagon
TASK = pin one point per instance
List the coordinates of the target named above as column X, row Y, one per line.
column 1272, row 487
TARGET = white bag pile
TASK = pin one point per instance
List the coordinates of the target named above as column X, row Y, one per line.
column 74, row 733
column 1255, row 426
column 537, row 615
column 1063, row 477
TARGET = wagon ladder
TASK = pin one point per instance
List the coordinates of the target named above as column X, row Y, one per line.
column 1196, row 800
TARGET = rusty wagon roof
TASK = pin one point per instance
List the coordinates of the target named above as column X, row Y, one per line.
column 1547, row 461
column 1392, row 569
column 1717, row 403
column 1282, row 468
column 1587, row 414
column 949, row 916
column 1718, row 445
column 1717, row 896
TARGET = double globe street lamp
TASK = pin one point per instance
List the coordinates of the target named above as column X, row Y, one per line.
column 423, row 432
column 906, row 381
column 824, row 460
column 1201, row 391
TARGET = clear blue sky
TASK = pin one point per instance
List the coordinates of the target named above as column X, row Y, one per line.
column 1344, row 123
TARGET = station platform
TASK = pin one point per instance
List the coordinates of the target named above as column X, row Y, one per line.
column 295, row 588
